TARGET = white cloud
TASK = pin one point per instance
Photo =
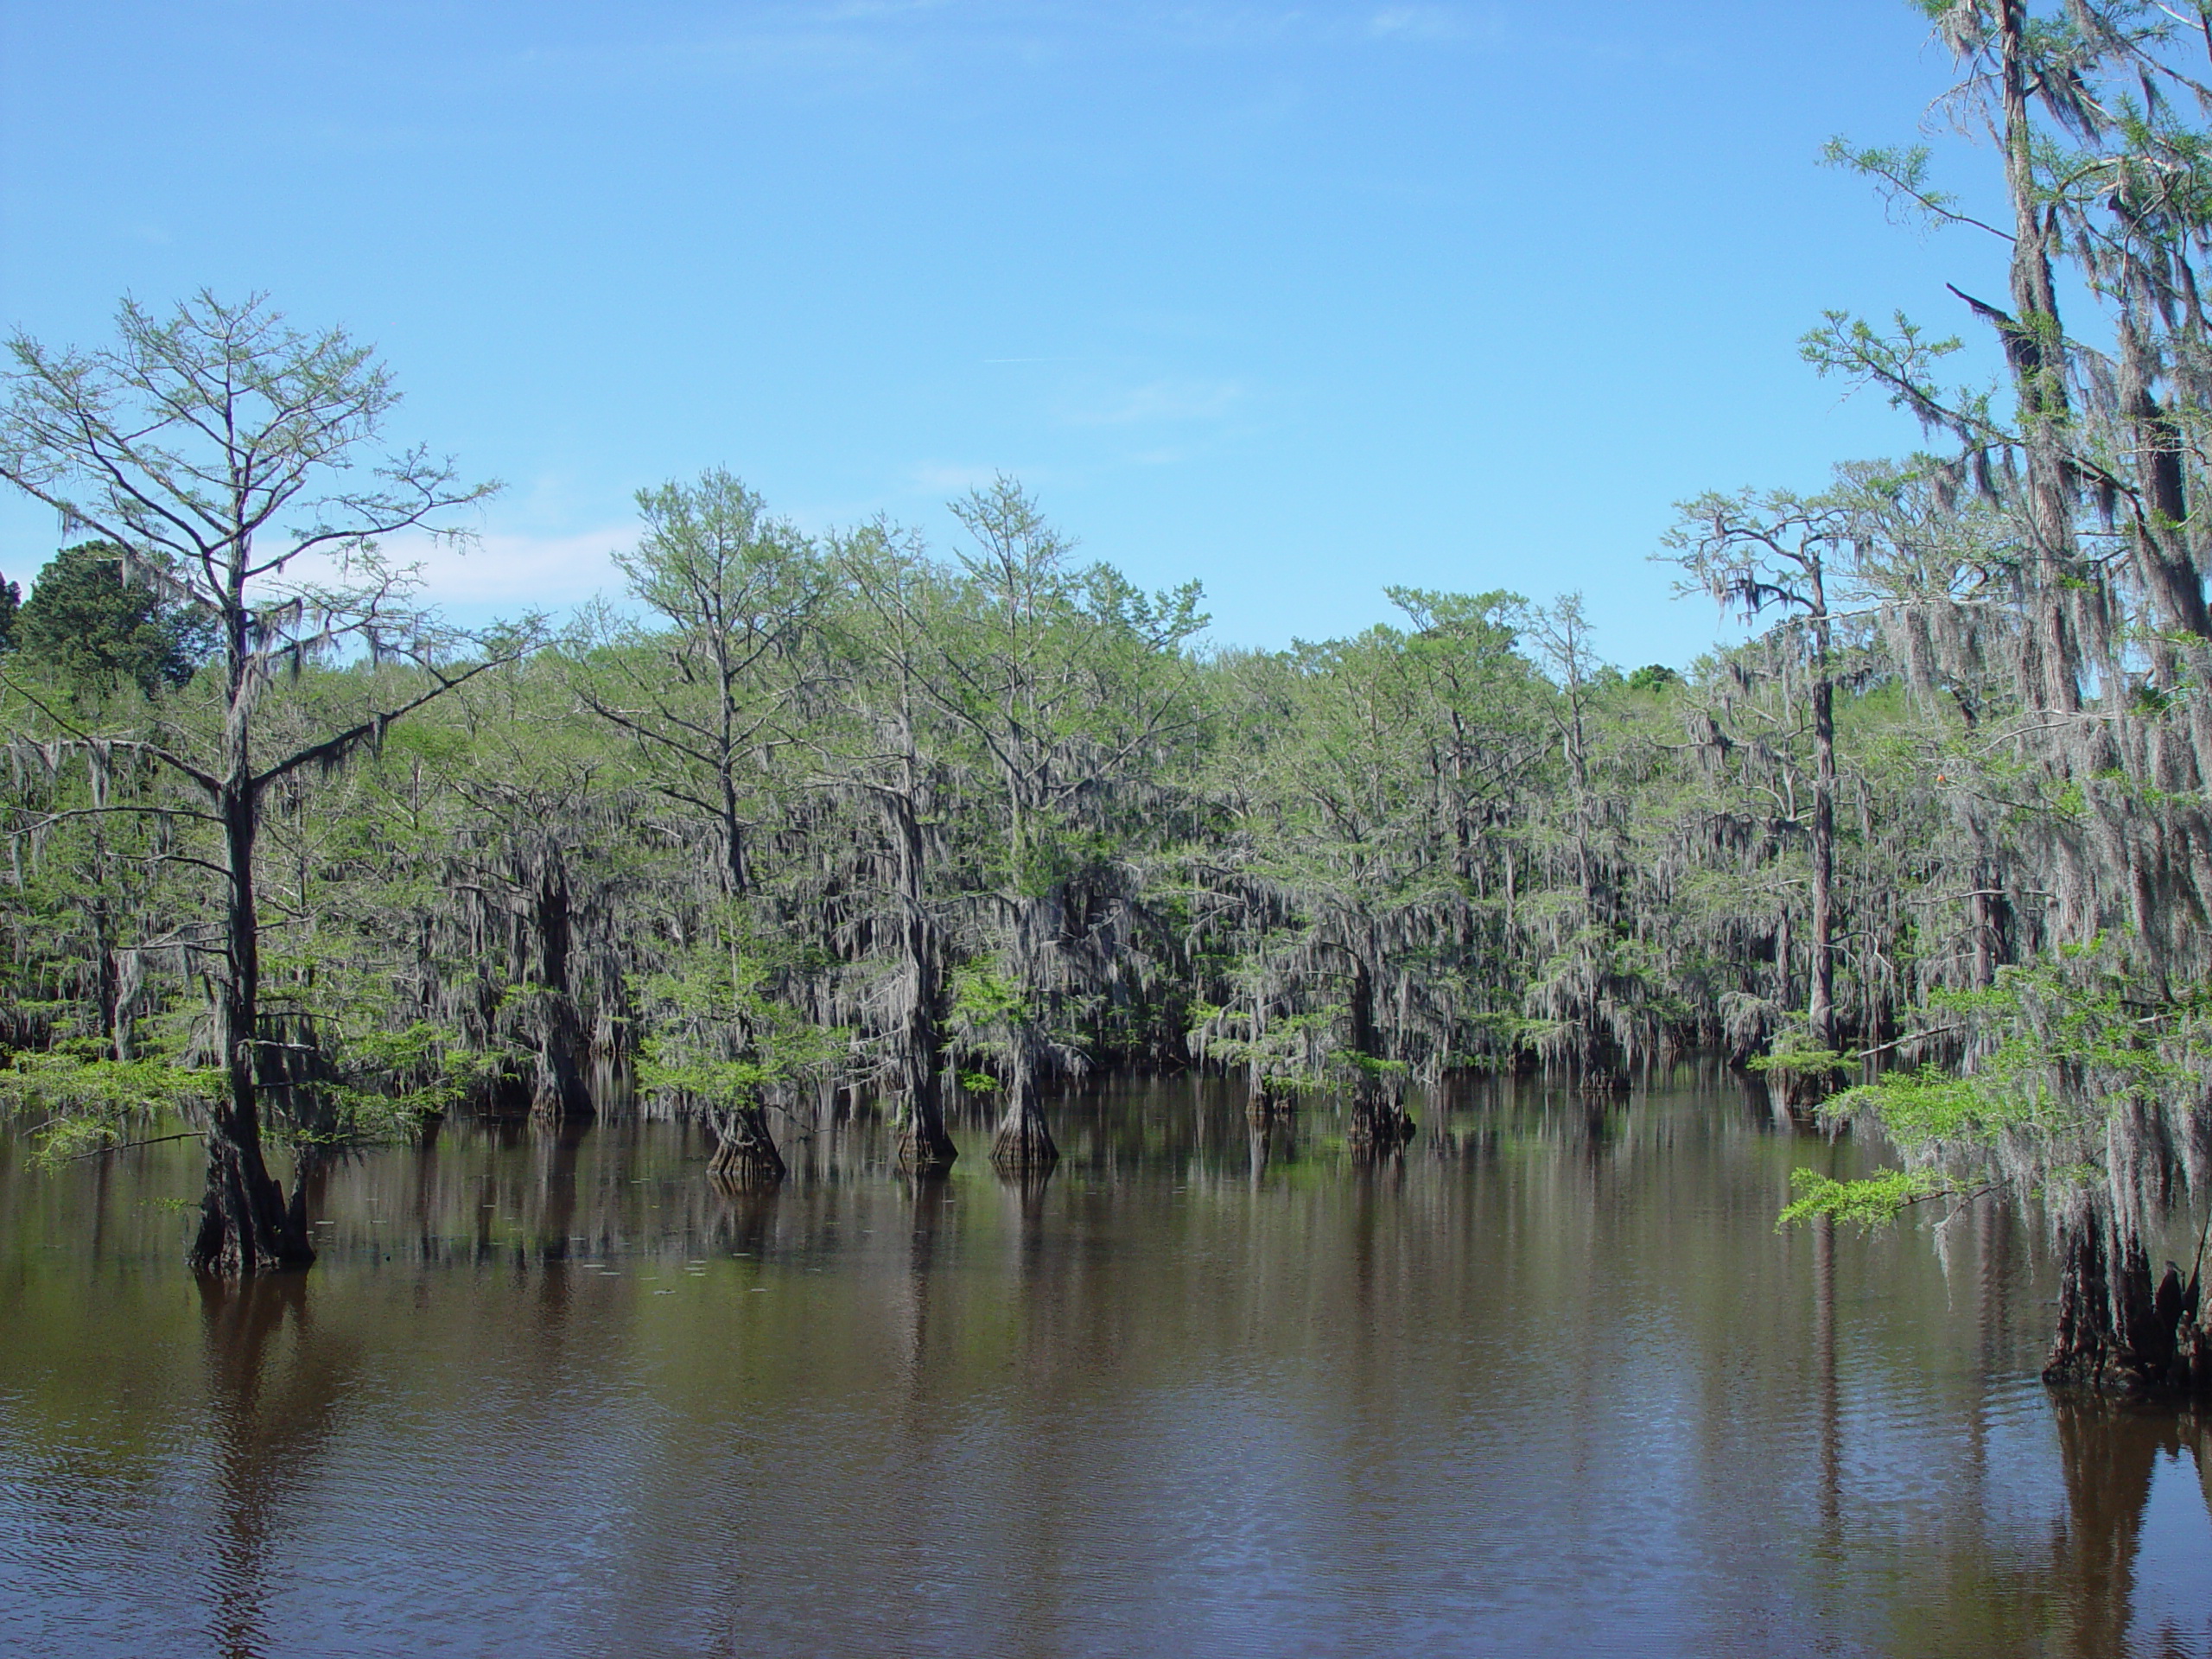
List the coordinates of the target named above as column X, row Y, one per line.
column 1165, row 400
column 1418, row 22
column 869, row 10
column 947, row 479
column 502, row 571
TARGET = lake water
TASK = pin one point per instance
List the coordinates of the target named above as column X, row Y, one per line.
column 1550, row 1383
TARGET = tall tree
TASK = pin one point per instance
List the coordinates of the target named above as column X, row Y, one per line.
column 1066, row 681
column 1774, row 553
column 2088, row 603
column 886, row 746
column 1362, row 880
column 223, row 452
column 735, row 587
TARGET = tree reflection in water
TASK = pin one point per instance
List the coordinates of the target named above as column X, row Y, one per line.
column 1549, row 1377
column 275, row 1384
column 2109, row 1453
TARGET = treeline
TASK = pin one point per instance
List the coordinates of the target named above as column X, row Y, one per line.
column 838, row 811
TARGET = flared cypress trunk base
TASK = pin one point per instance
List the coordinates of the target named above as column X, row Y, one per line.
column 559, row 1096
column 926, row 1149
column 2121, row 1329
column 1379, row 1126
column 1265, row 1105
column 1602, row 1080
column 1802, row 1090
column 1024, row 1141
column 245, row 1226
column 746, row 1154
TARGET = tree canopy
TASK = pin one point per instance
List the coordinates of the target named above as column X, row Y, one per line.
column 86, row 628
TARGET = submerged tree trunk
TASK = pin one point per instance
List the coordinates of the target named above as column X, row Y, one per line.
column 1265, row 1103
column 1599, row 1077
column 245, row 1223
column 245, row 1226
column 924, row 1143
column 2120, row 1326
column 745, row 1153
column 1024, row 1140
column 1378, row 1123
column 558, row 1092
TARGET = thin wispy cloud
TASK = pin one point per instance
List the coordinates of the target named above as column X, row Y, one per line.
column 949, row 479
column 858, row 45
column 505, row 570
column 869, row 10
column 1419, row 22
column 1164, row 400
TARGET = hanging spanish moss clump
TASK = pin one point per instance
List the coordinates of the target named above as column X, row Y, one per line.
column 2044, row 590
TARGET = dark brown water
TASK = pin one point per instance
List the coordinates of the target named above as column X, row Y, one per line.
column 1552, row 1383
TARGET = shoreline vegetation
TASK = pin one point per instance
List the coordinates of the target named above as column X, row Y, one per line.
column 1932, row 851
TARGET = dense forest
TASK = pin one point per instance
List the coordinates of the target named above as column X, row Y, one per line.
column 846, row 822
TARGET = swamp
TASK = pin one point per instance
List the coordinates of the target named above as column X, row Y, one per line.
column 881, row 1092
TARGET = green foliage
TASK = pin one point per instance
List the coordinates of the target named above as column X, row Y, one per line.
column 984, row 999
column 389, row 1082
column 1871, row 1202
column 719, row 1037
column 342, row 1068
column 88, row 1103
column 92, row 631
column 2067, row 1047
column 2081, row 1031
column 1793, row 1058
column 1932, row 1108
column 993, row 1017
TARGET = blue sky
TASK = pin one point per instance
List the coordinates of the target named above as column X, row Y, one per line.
column 1298, row 301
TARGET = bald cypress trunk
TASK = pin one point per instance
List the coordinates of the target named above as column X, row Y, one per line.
column 1820, row 1003
column 923, row 1142
column 2035, row 348
column 2121, row 1326
column 1024, row 1141
column 245, row 1224
column 745, row 1153
column 558, row 1092
column 1264, row 1103
column 1378, row 1124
